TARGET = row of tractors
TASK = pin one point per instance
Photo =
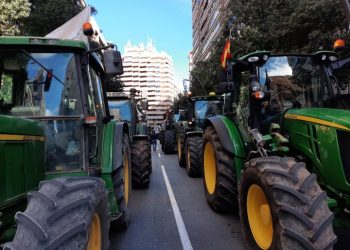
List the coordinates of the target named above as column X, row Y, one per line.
column 272, row 146
column 68, row 157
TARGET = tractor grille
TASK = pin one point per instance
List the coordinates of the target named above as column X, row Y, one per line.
column 344, row 146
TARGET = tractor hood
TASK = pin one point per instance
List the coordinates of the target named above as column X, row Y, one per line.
column 336, row 118
column 18, row 126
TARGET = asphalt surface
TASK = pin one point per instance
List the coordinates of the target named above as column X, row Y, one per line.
column 152, row 219
column 153, row 224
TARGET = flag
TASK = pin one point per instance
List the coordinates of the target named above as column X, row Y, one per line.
column 226, row 54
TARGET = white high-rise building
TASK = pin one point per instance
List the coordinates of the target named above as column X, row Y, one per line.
column 152, row 73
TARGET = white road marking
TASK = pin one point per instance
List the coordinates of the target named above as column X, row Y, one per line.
column 185, row 240
column 159, row 155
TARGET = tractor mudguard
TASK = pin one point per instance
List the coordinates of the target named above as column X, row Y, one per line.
column 228, row 133
column 120, row 128
column 113, row 146
column 194, row 133
column 230, row 139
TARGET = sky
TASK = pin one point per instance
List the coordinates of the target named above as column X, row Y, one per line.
column 167, row 22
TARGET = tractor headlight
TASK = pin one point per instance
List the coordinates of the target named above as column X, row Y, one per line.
column 255, row 85
column 333, row 58
column 253, row 59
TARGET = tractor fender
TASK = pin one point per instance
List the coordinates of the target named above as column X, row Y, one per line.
column 228, row 133
column 117, row 149
column 194, row 133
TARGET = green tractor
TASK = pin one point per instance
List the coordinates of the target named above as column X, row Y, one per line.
column 167, row 133
column 189, row 133
column 279, row 154
column 65, row 163
column 125, row 108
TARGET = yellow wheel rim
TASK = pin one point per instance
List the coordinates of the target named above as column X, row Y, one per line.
column 209, row 168
column 179, row 147
column 259, row 217
column 95, row 234
column 188, row 158
column 126, row 179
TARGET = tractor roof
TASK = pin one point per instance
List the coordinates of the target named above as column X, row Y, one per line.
column 40, row 41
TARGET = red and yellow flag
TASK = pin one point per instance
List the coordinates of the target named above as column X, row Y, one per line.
column 226, row 54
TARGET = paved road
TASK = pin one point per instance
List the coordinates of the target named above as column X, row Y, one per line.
column 153, row 224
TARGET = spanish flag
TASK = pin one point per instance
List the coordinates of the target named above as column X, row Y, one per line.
column 226, row 54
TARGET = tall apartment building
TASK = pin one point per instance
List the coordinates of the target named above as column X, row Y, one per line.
column 207, row 23
column 152, row 73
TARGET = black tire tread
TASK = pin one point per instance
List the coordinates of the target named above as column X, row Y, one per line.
column 66, row 224
column 140, row 163
column 304, row 220
column 122, row 221
column 180, row 137
column 224, row 198
column 169, row 142
column 194, row 166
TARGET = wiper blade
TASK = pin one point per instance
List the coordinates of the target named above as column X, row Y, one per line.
column 42, row 66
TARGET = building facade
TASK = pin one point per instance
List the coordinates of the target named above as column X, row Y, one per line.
column 207, row 23
column 152, row 73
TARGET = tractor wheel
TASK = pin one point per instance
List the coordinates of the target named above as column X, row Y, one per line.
column 220, row 183
column 181, row 146
column 140, row 163
column 194, row 156
column 65, row 213
column 122, row 186
column 161, row 137
column 169, row 141
column 283, row 207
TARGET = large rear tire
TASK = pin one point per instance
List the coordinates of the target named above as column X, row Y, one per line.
column 122, row 186
column 65, row 213
column 194, row 156
column 283, row 207
column 169, row 141
column 181, row 146
column 220, row 182
column 140, row 163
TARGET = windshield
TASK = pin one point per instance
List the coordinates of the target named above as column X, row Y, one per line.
column 23, row 91
column 204, row 109
column 292, row 81
column 121, row 110
column 27, row 90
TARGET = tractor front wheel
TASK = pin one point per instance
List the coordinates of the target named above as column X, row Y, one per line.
column 219, row 174
column 283, row 207
column 65, row 213
column 122, row 186
column 194, row 156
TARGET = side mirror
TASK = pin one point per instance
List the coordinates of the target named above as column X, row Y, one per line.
column 113, row 62
column 223, row 87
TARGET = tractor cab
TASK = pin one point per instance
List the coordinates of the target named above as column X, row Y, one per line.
column 265, row 86
column 201, row 108
column 45, row 86
column 59, row 85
